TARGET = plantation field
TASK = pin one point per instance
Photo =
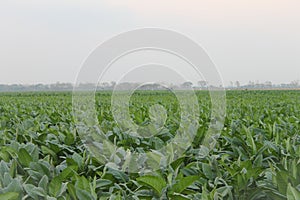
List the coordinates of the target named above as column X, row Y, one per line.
column 257, row 155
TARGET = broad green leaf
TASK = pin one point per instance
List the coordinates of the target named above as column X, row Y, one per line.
column 44, row 182
column 34, row 192
column 155, row 182
column 207, row 170
column 9, row 196
column 292, row 193
column 102, row 183
column 72, row 191
column 183, row 183
column 55, row 186
column 175, row 164
column 24, row 157
column 83, row 194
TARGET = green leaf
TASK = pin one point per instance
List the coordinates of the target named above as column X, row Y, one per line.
column 250, row 141
column 102, row 183
column 47, row 151
column 155, row 182
column 82, row 183
column 292, row 193
column 7, row 179
column 72, row 191
column 183, row 183
column 282, row 181
column 258, row 161
column 175, row 164
column 55, row 186
column 83, row 194
column 9, row 196
column 44, row 182
column 207, row 171
column 24, row 157
column 13, row 168
column 119, row 175
column 70, row 139
column 3, row 168
column 78, row 159
column 68, row 172
column 179, row 197
column 33, row 191
column 14, row 186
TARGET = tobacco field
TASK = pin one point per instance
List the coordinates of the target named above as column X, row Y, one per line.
column 257, row 155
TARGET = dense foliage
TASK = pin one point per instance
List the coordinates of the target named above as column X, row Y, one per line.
column 256, row 157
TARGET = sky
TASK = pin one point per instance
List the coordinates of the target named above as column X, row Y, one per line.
column 48, row 41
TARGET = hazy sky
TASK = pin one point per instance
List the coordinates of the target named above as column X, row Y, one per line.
column 47, row 41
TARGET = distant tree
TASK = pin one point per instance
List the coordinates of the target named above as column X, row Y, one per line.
column 202, row 84
column 187, row 84
column 268, row 84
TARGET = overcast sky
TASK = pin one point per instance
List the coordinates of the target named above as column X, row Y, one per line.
column 47, row 41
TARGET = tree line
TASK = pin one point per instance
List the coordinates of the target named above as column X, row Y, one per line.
column 200, row 85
